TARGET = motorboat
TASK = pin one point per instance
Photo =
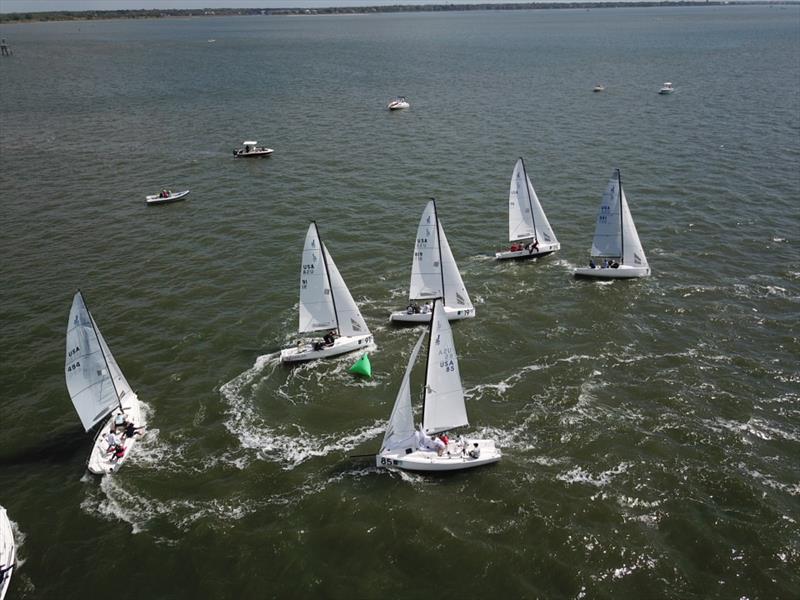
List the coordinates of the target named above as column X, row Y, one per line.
column 252, row 149
column 166, row 196
column 599, row 88
column 398, row 103
column 8, row 552
column 666, row 88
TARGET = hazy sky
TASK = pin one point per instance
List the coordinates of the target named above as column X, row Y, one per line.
column 47, row 5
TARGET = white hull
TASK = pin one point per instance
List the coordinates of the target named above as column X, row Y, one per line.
column 8, row 551
column 544, row 250
column 622, row 272
column 452, row 314
column 340, row 345
column 100, row 460
column 171, row 198
column 253, row 153
column 398, row 105
column 454, row 458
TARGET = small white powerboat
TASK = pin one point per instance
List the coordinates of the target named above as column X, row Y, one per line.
column 252, row 149
column 666, row 88
column 599, row 88
column 166, row 196
column 398, row 103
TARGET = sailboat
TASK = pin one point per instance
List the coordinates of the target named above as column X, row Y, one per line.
column 434, row 274
column 8, row 552
column 325, row 305
column 443, row 410
column 616, row 245
column 97, row 387
column 529, row 230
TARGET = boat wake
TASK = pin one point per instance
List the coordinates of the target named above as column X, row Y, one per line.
column 288, row 445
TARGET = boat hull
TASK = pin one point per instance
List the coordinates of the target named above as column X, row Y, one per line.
column 8, row 551
column 177, row 197
column 253, row 153
column 305, row 351
column 455, row 458
column 398, row 105
column 100, row 461
column 452, row 314
column 523, row 254
column 622, row 272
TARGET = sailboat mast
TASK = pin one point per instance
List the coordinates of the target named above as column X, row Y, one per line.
column 621, row 225
column 530, row 201
column 428, row 360
column 327, row 276
column 105, row 360
column 439, row 245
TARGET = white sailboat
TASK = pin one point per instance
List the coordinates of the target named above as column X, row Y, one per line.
column 8, row 552
column 325, row 305
column 617, row 252
column 443, row 410
column 529, row 230
column 98, row 388
column 434, row 274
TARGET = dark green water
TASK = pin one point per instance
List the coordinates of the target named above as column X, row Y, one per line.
column 650, row 429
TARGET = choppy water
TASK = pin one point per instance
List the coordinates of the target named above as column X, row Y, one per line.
column 650, row 429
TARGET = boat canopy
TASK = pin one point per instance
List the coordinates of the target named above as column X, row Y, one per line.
column 249, row 143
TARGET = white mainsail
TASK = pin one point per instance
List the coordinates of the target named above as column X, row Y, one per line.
column 400, row 430
column 316, row 302
column 349, row 317
column 434, row 272
column 94, row 380
column 615, row 235
column 526, row 218
column 426, row 268
column 444, row 396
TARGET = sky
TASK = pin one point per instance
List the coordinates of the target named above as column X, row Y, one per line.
column 50, row 5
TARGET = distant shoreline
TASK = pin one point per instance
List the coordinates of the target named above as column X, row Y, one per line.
column 92, row 15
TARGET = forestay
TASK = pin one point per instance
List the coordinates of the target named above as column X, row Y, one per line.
column 94, row 380
column 400, row 430
column 444, row 397
column 316, row 302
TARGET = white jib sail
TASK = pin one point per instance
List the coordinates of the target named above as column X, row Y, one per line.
column 90, row 376
column 316, row 302
column 544, row 233
column 632, row 246
column 350, row 320
column 455, row 294
column 400, row 429
column 444, row 396
column 426, row 275
column 607, row 240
